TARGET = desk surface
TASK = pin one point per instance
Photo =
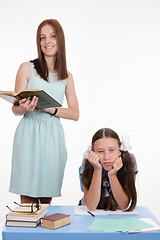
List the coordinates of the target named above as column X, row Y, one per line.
column 77, row 230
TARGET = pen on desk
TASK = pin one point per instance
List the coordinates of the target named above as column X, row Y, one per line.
column 91, row 213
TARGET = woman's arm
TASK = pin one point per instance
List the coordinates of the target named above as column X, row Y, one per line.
column 72, row 112
column 93, row 194
column 21, row 83
column 118, row 192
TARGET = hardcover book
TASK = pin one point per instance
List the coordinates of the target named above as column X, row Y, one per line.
column 11, row 223
column 44, row 99
column 55, row 221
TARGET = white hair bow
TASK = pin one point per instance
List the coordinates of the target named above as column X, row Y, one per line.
column 125, row 143
column 86, row 153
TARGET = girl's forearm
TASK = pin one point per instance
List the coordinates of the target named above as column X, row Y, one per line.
column 92, row 196
column 119, row 194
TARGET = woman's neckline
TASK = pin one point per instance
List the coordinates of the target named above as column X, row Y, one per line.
column 52, row 73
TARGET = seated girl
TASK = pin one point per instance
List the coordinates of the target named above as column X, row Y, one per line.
column 108, row 174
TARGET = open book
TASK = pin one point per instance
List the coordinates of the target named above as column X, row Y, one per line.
column 44, row 100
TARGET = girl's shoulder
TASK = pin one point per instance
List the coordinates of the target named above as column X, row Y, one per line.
column 133, row 162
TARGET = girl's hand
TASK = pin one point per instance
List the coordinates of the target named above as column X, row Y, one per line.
column 28, row 105
column 117, row 165
column 94, row 160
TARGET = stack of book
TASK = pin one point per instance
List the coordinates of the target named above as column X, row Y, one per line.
column 21, row 217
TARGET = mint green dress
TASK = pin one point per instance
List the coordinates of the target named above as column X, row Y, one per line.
column 39, row 149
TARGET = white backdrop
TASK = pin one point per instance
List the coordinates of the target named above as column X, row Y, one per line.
column 113, row 52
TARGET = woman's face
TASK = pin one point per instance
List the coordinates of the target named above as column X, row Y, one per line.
column 108, row 151
column 48, row 41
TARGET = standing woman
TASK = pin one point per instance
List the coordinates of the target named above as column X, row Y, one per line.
column 39, row 149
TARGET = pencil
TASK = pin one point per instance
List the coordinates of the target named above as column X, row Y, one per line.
column 91, row 213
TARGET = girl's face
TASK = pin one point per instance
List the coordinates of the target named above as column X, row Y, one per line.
column 108, row 151
column 48, row 41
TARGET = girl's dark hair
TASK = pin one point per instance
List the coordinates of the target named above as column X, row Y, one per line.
column 60, row 64
column 125, row 174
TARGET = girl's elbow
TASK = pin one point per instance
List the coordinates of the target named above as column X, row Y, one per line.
column 92, row 209
column 91, row 206
column 124, row 206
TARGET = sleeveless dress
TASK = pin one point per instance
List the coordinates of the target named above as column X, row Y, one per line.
column 39, row 150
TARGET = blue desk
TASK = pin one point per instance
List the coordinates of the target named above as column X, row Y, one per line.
column 77, row 230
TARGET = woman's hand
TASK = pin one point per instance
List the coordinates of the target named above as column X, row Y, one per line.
column 28, row 105
column 94, row 160
column 117, row 165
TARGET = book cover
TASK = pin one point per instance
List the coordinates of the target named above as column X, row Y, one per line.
column 55, row 221
column 44, row 99
column 10, row 223
column 32, row 217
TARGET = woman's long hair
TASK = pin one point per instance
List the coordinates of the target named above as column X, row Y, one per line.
column 60, row 63
column 125, row 175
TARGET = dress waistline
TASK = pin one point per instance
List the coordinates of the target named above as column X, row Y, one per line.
column 41, row 116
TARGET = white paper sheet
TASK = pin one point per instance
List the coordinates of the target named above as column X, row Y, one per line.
column 82, row 210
